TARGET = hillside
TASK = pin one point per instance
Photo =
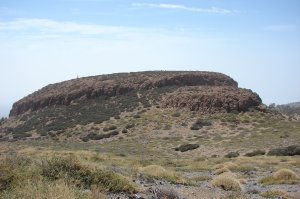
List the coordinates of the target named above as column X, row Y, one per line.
column 149, row 135
column 81, row 89
column 292, row 109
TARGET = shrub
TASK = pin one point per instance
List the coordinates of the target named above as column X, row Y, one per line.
column 187, row 147
column 73, row 172
column 117, row 117
column 42, row 189
column 166, row 193
column 222, row 170
column 129, row 126
column 124, row 131
column 255, row 153
column 194, row 127
column 275, row 194
column 177, row 114
column 286, row 151
column 282, row 176
column 93, row 136
column 136, row 116
column 200, row 123
column 232, row 155
column 226, row 167
column 12, row 170
column 111, row 134
column 112, row 127
column 151, row 172
column 227, row 182
column 85, row 139
column 285, row 174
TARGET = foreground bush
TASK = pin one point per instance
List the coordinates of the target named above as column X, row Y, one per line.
column 74, row 173
column 12, row 171
column 282, row 176
column 45, row 190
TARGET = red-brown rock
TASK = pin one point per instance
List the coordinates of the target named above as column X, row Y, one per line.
column 115, row 84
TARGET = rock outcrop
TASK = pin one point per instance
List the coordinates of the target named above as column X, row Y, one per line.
column 117, row 84
column 212, row 99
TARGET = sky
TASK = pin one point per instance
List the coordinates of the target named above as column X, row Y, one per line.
column 256, row 42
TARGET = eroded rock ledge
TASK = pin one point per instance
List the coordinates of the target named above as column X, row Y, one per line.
column 117, row 84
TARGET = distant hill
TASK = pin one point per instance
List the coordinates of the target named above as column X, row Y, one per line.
column 290, row 108
column 294, row 104
column 93, row 100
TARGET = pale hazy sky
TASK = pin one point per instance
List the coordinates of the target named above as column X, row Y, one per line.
column 46, row 41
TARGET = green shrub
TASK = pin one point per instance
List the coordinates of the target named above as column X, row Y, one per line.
column 129, row 126
column 200, row 123
column 111, row 134
column 187, row 147
column 232, row 154
column 124, row 131
column 112, row 127
column 177, row 114
column 286, row 151
column 85, row 139
column 255, row 153
column 117, row 117
column 136, row 116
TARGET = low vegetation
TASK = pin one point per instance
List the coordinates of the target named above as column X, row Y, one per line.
column 57, row 177
column 118, row 157
column 282, row 176
column 286, row 151
column 232, row 154
column 255, row 153
column 227, row 181
column 200, row 123
column 275, row 194
column 152, row 172
column 187, row 147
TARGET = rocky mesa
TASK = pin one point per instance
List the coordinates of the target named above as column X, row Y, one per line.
column 200, row 91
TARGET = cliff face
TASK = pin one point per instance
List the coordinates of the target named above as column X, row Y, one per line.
column 118, row 84
column 212, row 99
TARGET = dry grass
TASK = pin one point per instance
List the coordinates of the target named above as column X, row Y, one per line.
column 285, row 174
column 45, row 190
column 221, row 170
column 275, row 194
column 57, row 177
column 282, row 176
column 158, row 172
column 227, row 181
column 228, row 165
